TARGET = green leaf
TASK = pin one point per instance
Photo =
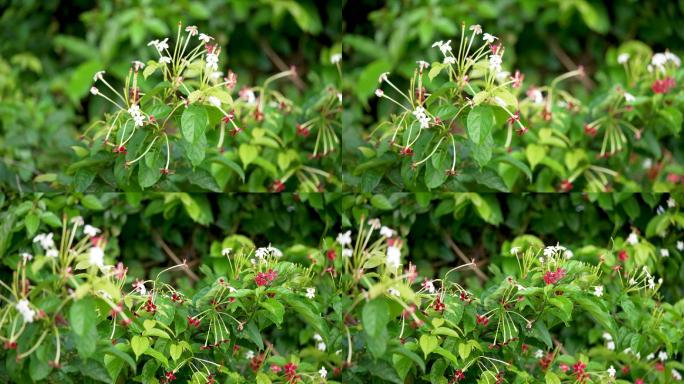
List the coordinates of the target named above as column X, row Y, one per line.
column 275, row 308
column 175, row 350
column 565, row 306
column 247, row 154
column 480, row 123
column 149, row 171
column 428, row 343
column 194, row 122
column 82, row 79
column 368, row 79
column 83, row 316
column 204, row 179
column 92, row 202
column 31, row 221
column 140, row 344
column 551, row 378
column 375, row 316
column 381, row 202
column 535, row 153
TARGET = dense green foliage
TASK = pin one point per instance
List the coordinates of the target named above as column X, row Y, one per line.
column 609, row 126
column 178, row 245
column 47, row 108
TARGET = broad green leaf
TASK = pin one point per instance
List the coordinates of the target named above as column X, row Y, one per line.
column 32, row 221
column 535, row 153
column 375, row 316
column 480, row 123
column 194, row 122
column 139, row 344
column 381, row 202
column 247, row 154
column 428, row 343
column 82, row 316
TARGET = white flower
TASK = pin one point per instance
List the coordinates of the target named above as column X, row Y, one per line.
column 25, row 310
column 489, row 38
column 76, row 220
column 673, row 58
column 662, row 355
column 323, row 372
column 650, row 356
column 449, row 60
column 310, row 293
column 98, row 75
column 611, row 345
column 139, row 286
column 632, row 238
column 191, row 29
column 598, row 290
column 344, row 238
column 632, row 281
column 212, row 61
column 476, row 28
column 629, row 97
column 515, row 250
column 379, row 92
column 671, row 203
column 659, row 60
column 90, row 231
column 660, row 210
column 321, row 346
column 393, row 292
column 444, row 47
column 428, row 286
column 393, row 258
column 664, row 252
column 386, row 231
column 162, row 45
column 249, row 355
column 226, row 251
column 374, row 223
column 568, row 254
column 611, row 371
column 336, row 58
column 205, row 38
column 317, row 337
column 138, row 65
column 94, row 90
column 422, row 117
column 164, row 60
column 422, row 64
column 96, row 257
column 550, row 251
column 45, row 240
column 52, row 252
column 623, row 58
column 495, row 63
column 651, row 282
column 680, row 245
column 347, row 252
column 607, row 336
column 536, row 96
column 676, row 375
column 26, row 256
column 383, row 77
column 213, row 100
column 539, row 354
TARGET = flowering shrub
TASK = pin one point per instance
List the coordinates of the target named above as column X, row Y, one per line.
column 195, row 126
column 455, row 125
column 352, row 309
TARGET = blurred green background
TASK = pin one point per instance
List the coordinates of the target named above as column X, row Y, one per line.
column 543, row 38
column 50, row 50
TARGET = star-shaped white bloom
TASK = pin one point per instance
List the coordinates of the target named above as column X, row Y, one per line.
column 344, row 238
column 90, row 231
